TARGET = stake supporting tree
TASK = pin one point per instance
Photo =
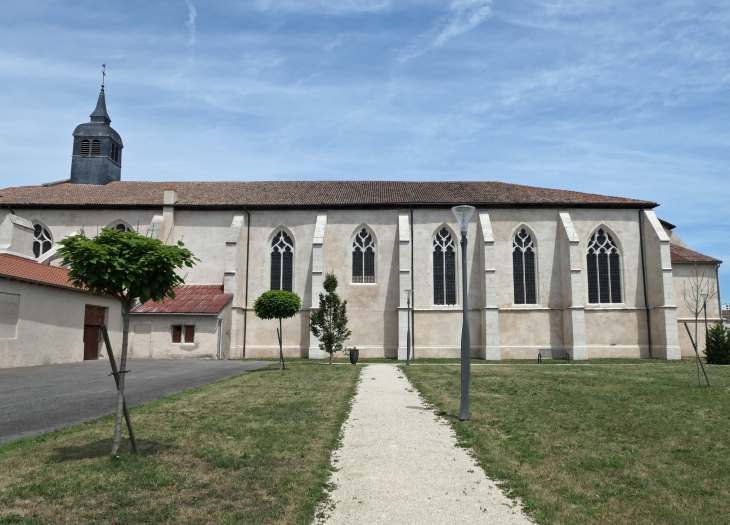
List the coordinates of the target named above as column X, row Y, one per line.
column 277, row 304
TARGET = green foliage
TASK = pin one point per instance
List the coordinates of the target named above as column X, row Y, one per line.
column 125, row 265
column 329, row 322
column 717, row 348
column 277, row 304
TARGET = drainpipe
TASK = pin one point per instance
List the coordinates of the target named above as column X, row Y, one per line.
column 220, row 338
column 245, row 308
column 643, row 274
column 719, row 301
column 412, row 313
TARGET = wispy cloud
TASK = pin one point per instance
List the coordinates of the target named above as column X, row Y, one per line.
column 190, row 24
column 324, row 6
column 464, row 16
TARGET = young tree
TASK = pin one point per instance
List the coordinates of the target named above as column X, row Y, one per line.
column 126, row 266
column 277, row 304
column 329, row 322
column 697, row 290
column 717, row 346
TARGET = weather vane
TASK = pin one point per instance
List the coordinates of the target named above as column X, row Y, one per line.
column 103, row 76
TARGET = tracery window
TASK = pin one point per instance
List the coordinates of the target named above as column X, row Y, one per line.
column 444, row 268
column 523, row 268
column 121, row 227
column 363, row 257
column 604, row 269
column 43, row 240
column 282, row 259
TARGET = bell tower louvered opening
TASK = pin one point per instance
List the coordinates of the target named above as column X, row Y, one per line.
column 96, row 148
column 84, row 147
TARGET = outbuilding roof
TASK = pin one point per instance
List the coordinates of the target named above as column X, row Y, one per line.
column 26, row 270
column 681, row 254
column 268, row 194
column 189, row 299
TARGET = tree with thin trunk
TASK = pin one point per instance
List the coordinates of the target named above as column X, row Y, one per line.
column 129, row 267
column 277, row 304
column 697, row 290
column 328, row 323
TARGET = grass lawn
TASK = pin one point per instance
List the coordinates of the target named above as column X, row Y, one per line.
column 597, row 444
column 251, row 449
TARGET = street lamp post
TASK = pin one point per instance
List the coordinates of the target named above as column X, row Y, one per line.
column 463, row 214
column 408, row 335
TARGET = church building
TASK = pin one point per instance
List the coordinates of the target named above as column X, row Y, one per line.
column 548, row 271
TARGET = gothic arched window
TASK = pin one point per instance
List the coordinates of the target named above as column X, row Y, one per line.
column 523, row 268
column 121, row 227
column 282, row 260
column 604, row 269
column 363, row 257
column 84, row 147
column 95, row 147
column 444, row 268
column 43, row 240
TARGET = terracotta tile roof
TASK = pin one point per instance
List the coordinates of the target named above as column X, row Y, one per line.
column 685, row 255
column 189, row 299
column 305, row 194
column 27, row 270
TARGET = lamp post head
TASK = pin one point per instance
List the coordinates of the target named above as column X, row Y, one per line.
column 463, row 213
column 704, row 298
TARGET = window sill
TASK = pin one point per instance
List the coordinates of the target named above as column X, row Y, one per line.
column 364, row 284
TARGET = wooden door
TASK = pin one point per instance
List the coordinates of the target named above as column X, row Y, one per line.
column 92, row 336
column 94, row 317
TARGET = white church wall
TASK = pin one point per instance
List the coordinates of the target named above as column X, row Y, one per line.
column 682, row 275
column 372, row 308
column 261, row 338
column 204, row 233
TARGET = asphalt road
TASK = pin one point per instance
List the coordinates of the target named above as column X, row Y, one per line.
column 38, row 399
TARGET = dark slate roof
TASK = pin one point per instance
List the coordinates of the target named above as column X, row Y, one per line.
column 99, row 114
column 27, row 270
column 685, row 255
column 310, row 194
column 189, row 299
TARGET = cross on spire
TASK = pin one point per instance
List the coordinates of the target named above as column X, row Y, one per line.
column 103, row 76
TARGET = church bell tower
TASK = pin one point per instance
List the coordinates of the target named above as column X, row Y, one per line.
column 97, row 149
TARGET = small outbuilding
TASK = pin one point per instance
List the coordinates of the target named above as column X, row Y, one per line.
column 196, row 323
column 45, row 320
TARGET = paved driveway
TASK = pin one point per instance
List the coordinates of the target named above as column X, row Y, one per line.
column 37, row 399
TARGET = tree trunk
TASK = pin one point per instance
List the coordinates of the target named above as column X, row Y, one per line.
column 281, row 349
column 122, row 369
column 330, row 357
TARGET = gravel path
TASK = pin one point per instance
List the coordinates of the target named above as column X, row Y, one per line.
column 399, row 463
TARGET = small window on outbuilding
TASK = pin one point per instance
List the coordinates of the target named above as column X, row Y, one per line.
column 188, row 330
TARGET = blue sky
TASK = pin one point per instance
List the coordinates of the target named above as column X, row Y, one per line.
column 619, row 98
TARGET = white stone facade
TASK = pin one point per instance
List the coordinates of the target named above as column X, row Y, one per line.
column 234, row 248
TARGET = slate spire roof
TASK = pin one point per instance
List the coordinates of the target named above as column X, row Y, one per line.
column 99, row 114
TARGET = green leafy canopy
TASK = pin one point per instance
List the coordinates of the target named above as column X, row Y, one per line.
column 277, row 304
column 125, row 265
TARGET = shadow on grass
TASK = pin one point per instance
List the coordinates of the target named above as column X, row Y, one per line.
column 103, row 448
